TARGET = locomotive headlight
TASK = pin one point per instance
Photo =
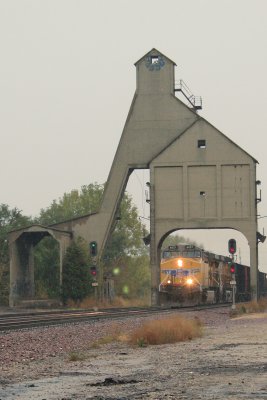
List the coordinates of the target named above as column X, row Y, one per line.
column 168, row 281
column 189, row 281
column 180, row 262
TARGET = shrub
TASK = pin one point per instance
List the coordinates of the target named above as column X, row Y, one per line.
column 251, row 307
column 76, row 280
column 76, row 356
column 167, row 330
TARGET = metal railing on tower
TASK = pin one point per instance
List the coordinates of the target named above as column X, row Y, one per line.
column 195, row 101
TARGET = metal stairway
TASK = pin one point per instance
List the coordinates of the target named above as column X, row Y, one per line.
column 195, row 101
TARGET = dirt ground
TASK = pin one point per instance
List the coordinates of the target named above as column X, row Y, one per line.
column 228, row 362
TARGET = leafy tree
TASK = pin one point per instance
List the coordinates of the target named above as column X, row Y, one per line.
column 76, row 280
column 132, row 277
column 46, row 268
column 173, row 240
column 129, row 231
column 9, row 219
column 125, row 241
column 73, row 204
column 127, row 238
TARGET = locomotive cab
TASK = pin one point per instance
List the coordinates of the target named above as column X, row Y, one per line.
column 191, row 275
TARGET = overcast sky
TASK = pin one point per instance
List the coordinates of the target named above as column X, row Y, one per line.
column 67, row 78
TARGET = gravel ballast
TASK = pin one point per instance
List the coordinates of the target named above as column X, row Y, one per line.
column 228, row 362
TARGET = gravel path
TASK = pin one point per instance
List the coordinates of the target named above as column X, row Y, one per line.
column 228, row 362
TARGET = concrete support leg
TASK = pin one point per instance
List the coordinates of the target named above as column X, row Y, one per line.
column 254, row 268
column 154, row 286
column 31, row 290
column 15, row 276
column 61, row 257
column 154, row 262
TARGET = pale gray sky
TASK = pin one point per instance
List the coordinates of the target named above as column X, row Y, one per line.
column 67, row 80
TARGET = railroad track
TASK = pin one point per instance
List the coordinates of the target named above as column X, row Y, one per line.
column 31, row 320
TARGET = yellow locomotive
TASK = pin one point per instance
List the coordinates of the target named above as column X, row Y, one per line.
column 190, row 274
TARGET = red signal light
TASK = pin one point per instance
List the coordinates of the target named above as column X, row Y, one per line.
column 232, row 246
column 232, row 268
column 93, row 271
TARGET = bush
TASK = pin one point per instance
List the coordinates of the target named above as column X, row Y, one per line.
column 76, row 279
column 76, row 356
column 167, row 330
column 252, row 307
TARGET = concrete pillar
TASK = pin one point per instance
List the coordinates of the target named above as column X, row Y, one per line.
column 64, row 242
column 254, row 267
column 61, row 257
column 31, row 284
column 154, row 262
column 15, row 274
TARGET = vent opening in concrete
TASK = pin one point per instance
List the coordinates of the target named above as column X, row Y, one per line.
column 201, row 143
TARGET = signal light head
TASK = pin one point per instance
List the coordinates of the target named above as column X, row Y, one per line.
column 93, row 249
column 232, row 246
column 232, row 268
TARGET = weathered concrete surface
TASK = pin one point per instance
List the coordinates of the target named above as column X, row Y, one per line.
column 228, row 362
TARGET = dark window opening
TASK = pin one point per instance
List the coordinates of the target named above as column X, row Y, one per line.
column 201, row 144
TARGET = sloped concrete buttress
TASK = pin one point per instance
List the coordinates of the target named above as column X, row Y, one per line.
column 155, row 119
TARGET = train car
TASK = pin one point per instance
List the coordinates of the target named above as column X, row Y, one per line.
column 263, row 284
column 190, row 274
column 242, row 277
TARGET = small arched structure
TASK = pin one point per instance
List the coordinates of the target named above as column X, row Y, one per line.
column 21, row 247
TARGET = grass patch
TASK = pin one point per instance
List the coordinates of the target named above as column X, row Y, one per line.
column 76, row 356
column 102, row 341
column 115, row 334
column 167, row 330
column 252, row 307
column 91, row 302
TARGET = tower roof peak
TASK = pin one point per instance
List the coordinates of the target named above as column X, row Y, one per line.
column 154, row 52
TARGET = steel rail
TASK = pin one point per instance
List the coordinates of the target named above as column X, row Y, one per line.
column 33, row 320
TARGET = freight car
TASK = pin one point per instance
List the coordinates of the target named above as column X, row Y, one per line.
column 191, row 275
column 242, row 277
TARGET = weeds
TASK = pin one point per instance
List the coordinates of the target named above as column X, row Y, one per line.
column 169, row 330
column 76, row 356
column 115, row 335
column 90, row 302
column 252, row 307
column 161, row 331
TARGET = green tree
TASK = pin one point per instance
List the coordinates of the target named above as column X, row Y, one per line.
column 173, row 240
column 9, row 219
column 73, row 204
column 76, row 280
column 46, row 268
column 126, row 240
column 132, row 277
